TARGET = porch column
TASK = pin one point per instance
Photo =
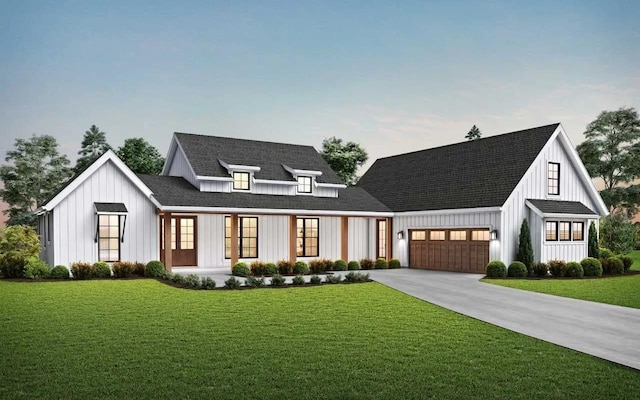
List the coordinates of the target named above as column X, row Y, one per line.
column 234, row 239
column 389, row 239
column 167, row 241
column 344, row 232
column 293, row 238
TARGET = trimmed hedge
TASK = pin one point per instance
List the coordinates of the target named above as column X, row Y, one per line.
column 315, row 280
column 317, row 266
column 591, row 266
column 557, row 268
column 270, row 269
column 153, row 269
column 496, row 269
column 517, row 269
column 353, row 266
column 59, row 272
column 123, row 269
column 37, row 269
column 285, row 267
column 298, row 280
column 138, row 269
column 574, row 270
column 616, row 265
column 101, row 270
column 300, row 268
column 605, row 253
column 394, row 263
column 381, row 263
column 82, row 270
column 540, row 269
column 340, row 265
column 240, row 269
column 278, row 280
column 257, row 268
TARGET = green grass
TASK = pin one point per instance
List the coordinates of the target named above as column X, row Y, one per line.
column 143, row 339
column 619, row 291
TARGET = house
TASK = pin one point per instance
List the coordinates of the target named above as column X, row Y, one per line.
column 222, row 200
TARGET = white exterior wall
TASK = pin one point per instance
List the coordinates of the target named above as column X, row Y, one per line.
column 180, row 167
column 325, row 192
column 46, row 241
column 215, row 186
column 534, row 186
column 265, row 188
column 75, row 219
column 359, row 236
column 486, row 219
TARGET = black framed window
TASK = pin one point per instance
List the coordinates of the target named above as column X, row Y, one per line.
column 307, row 240
column 247, row 237
column 564, row 231
column 304, row 184
column 381, row 238
column 241, row 181
column 578, row 231
column 551, row 231
column 108, row 237
column 553, row 178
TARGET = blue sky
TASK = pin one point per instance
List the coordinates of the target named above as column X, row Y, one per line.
column 393, row 76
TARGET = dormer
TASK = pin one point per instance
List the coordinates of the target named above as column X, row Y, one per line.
column 242, row 176
column 307, row 183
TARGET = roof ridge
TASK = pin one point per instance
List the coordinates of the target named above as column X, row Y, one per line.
column 243, row 139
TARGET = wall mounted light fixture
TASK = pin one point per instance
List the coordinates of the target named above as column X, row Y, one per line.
column 494, row 235
column 401, row 235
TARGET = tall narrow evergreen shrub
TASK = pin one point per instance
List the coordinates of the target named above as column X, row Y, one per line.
column 594, row 250
column 525, row 248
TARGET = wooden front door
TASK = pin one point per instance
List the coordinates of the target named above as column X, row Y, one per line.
column 460, row 250
column 184, row 241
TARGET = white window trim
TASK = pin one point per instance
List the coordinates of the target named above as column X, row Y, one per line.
column 571, row 241
column 311, row 185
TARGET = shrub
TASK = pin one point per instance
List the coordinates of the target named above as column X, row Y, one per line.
column 606, row 265
column 153, row 269
column 317, row 266
column 178, row 279
column 277, row 280
column 496, row 269
column 627, row 261
column 340, row 265
column 605, row 253
column 574, row 270
column 328, row 264
column 394, row 263
column 232, row 283
column 82, row 270
column 300, row 268
column 123, row 269
column 557, row 268
column 315, row 280
column 285, row 267
column 540, row 269
column 381, row 263
column 22, row 241
column 594, row 251
column 101, row 270
column 366, row 263
column 525, row 248
column 13, row 264
column 37, row 269
column 517, row 269
column 298, row 280
column 353, row 266
column 333, row 279
column 616, row 265
column 192, row 281
column 240, row 269
column 254, row 282
column 166, row 275
column 270, row 269
column 138, row 269
column 59, row 272
column 257, row 268
column 207, row 283
column 354, row 277
column 617, row 233
column 591, row 267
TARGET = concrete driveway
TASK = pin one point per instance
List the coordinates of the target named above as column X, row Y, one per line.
column 605, row 331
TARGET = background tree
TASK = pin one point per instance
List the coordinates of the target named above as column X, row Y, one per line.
column 617, row 233
column 35, row 171
column 141, row 157
column 94, row 144
column 611, row 151
column 593, row 249
column 344, row 159
column 473, row 134
column 525, row 248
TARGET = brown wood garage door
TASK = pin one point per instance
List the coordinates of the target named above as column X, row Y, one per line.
column 460, row 250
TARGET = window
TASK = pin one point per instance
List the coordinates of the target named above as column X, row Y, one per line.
column 186, row 233
column 307, row 237
column 578, row 231
column 436, row 235
column 381, row 248
column 483, row 236
column 418, row 235
column 551, row 231
column 173, row 233
column 553, row 178
column 247, row 237
column 49, row 226
column 458, row 235
column 240, row 181
column 304, row 184
column 564, row 231
column 108, row 238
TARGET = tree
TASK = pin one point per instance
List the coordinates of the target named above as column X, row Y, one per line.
column 35, row 171
column 611, row 151
column 594, row 249
column 141, row 157
column 617, row 233
column 94, row 144
column 525, row 248
column 344, row 159
column 473, row 134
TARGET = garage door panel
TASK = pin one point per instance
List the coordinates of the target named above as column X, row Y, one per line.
column 463, row 254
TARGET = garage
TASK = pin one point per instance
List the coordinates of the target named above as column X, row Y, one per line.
column 459, row 250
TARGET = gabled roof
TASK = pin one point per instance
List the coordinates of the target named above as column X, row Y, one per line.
column 174, row 193
column 110, row 208
column 559, row 207
column 473, row 174
column 204, row 154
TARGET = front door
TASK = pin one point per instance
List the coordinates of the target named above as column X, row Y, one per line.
column 184, row 241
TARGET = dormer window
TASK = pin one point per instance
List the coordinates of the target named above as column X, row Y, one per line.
column 553, row 178
column 240, row 181
column 304, row 184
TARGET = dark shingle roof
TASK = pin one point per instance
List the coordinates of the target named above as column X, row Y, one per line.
column 204, row 152
column 176, row 191
column 561, row 207
column 480, row 173
column 110, row 207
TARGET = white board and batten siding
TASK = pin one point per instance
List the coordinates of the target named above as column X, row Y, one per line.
column 75, row 219
column 362, row 237
column 215, row 186
column 180, row 167
column 429, row 220
column 534, row 186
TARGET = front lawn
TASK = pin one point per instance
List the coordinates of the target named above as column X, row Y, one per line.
column 144, row 339
column 636, row 259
